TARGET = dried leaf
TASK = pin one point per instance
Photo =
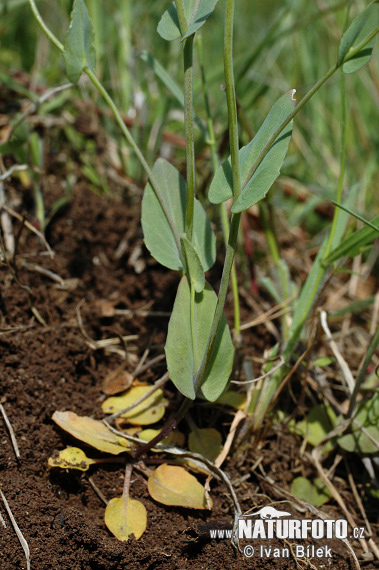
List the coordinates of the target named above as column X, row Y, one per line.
column 148, row 412
column 71, row 458
column 205, row 441
column 125, row 517
column 117, row 381
column 172, row 485
column 91, row 431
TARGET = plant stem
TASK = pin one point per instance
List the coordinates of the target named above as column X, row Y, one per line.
column 188, row 116
column 125, row 131
column 230, row 250
column 188, row 128
column 223, row 211
column 235, row 221
column 351, row 54
column 231, row 98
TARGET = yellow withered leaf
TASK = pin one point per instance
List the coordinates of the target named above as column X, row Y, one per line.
column 206, row 442
column 91, row 431
column 173, row 485
column 148, row 412
column 174, row 438
column 125, row 517
column 71, row 458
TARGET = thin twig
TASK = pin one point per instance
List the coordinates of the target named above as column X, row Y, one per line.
column 29, row 226
column 97, row 490
column 98, row 344
column 11, row 432
column 34, row 106
column 314, row 510
column 12, row 170
column 161, row 382
column 340, row 359
column 20, row 536
column 274, row 369
column 314, row 457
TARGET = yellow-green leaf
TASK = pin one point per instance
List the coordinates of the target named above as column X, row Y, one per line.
column 71, row 458
column 235, row 400
column 314, row 492
column 148, row 412
column 173, row 485
column 91, row 431
column 206, row 442
column 125, row 517
column 174, row 438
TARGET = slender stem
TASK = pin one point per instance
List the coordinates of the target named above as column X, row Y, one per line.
column 42, row 24
column 337, row 211
column 188, row 116
column 127, row 134
column 230, row 250
column 108, row 99
column 231, row 97
column 223, row 210
column 351, row 54
column 188, row 124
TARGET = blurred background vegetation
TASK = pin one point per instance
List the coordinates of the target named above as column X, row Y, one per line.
column 278, row 46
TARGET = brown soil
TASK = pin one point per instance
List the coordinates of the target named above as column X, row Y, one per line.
column 51, row 367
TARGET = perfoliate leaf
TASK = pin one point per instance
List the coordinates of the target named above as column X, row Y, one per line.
column 360, row 29
column 205, row 441
column 256, row 188
column 201, row 15
column 148, row 412
column 173, row 485
column 193, row 263
column 183, row 358
column 368, row 418
column 91, row 431
column 169, row 27
column 125, row 517
column 71, row 458
column 159, row 237
column 79, row 51
column 314, row 492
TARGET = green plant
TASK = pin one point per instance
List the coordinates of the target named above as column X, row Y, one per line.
column 177, row 231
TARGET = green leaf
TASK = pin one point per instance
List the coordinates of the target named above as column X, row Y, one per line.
column 159, row 238
column 79, row 51
column 125, row 517
column 205, row 441
column 173, row 485
column 352, row 245
column 318, row 423
column 183, row 359
column 368, row 417
column 201, row 15
column 256, row 188
column 169, row 27
column 314, row 492
column 169, row 82
column 194, row 267
column 360, row 29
